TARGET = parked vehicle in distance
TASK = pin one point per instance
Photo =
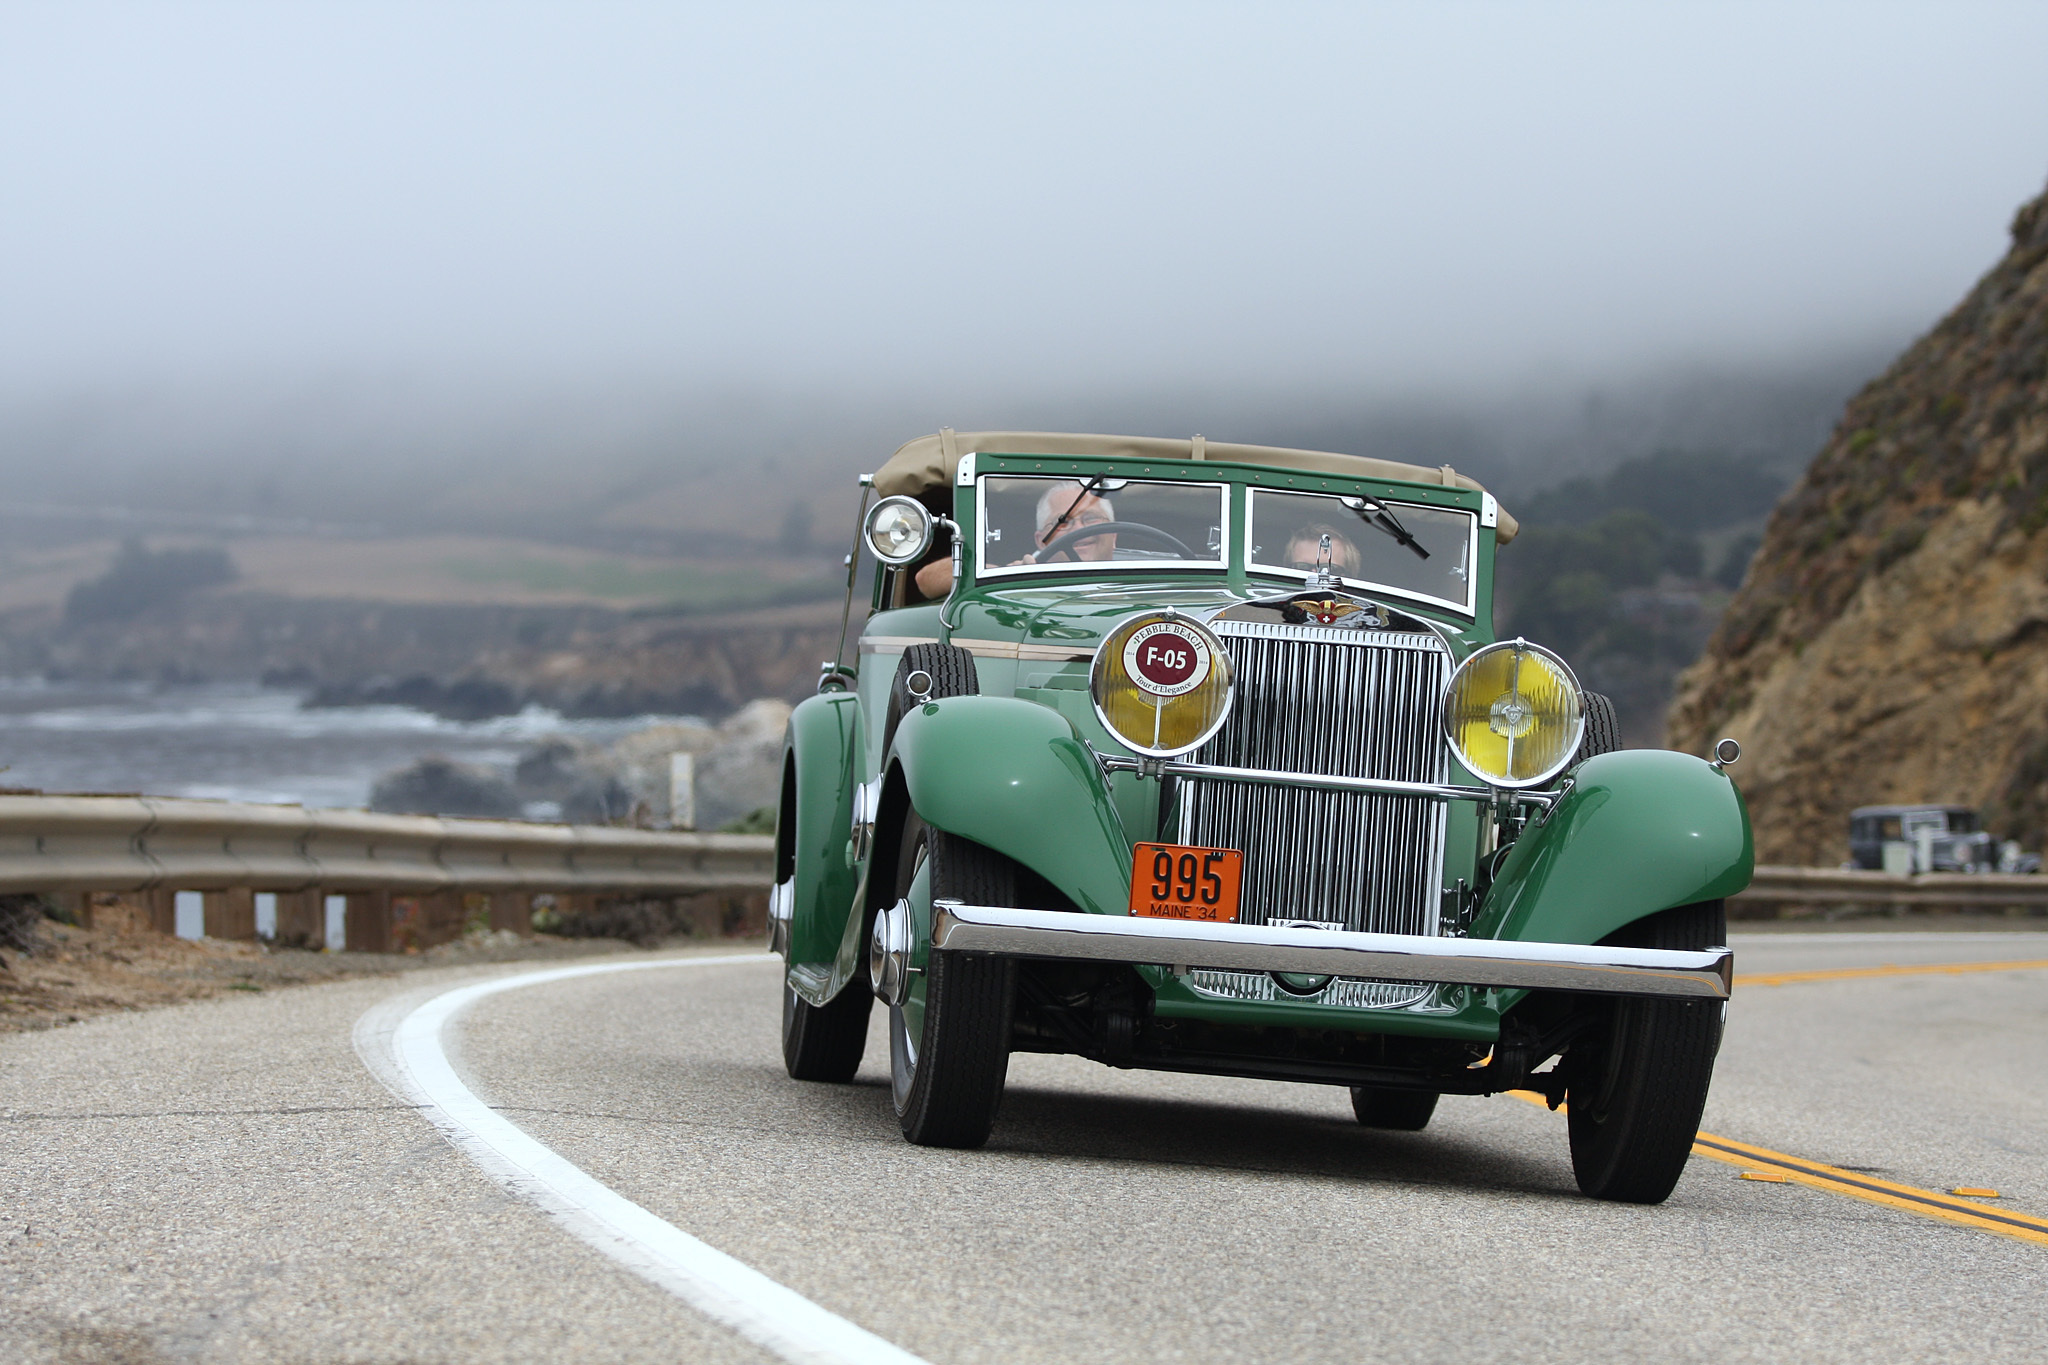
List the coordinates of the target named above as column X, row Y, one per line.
column 1932, row 838
column 1199, row 757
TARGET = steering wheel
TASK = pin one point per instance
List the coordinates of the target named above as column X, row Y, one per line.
column 1067, row 539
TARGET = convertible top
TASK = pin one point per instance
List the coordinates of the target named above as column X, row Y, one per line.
column 931, row 461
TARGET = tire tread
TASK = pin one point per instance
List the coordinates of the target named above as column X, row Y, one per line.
column 1637, row 1151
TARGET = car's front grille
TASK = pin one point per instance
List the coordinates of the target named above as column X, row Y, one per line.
column 1346, row 703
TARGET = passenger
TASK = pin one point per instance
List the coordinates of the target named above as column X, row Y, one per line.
column 1063, row 508
column 1305, row 550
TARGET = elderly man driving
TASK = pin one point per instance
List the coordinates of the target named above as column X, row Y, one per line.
column 1065, row 507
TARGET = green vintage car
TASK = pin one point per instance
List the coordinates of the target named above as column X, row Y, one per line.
column 1203, row 757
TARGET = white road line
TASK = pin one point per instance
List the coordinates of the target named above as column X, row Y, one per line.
column 406, row 1054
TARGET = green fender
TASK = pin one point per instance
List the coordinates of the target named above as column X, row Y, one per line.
column 819, row 747
column 1641, row 830
column 1014, row 776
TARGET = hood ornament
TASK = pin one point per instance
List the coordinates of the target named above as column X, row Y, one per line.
column 1319, row 606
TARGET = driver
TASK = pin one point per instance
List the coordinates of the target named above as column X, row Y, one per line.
column 1065, row 507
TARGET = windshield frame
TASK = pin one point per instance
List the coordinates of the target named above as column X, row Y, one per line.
column 986, row 572
column 1465, row 608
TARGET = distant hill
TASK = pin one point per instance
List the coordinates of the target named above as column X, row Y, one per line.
column 1890, row 640
column 1626, row 573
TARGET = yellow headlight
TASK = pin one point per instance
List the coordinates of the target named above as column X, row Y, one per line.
column 1161, row 684
column 1514, row 714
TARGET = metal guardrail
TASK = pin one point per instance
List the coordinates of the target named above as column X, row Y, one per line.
column 130, row 843
column 155, row 846
column 1852, row 886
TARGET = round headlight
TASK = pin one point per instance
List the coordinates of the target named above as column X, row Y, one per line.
column 1161, row 684
column 1513, row 714
column 898, row 530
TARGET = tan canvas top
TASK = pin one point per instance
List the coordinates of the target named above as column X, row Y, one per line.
column 932, row 461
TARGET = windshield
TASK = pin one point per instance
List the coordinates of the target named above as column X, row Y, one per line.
column 1039, row 524
column 1366, row 548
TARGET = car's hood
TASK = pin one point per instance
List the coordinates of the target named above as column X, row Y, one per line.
column 1079, row 614
column 1048, row 619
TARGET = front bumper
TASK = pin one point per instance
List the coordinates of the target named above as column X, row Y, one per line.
column 1707, row 974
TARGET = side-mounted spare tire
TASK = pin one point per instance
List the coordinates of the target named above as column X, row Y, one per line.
column 951, row 670
column 1603, row 730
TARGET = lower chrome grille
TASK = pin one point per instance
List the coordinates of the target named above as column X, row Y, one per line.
column 1343, row 703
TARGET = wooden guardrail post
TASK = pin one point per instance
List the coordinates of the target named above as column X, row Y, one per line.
column 231, row 914
column 442, row 916
column 163, row 910
column 368, row 922
column 512, row 910
column 301, row 919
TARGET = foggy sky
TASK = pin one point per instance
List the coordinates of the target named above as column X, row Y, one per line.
column 982, row 199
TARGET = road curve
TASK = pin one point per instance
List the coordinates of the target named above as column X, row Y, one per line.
column 211, row 1182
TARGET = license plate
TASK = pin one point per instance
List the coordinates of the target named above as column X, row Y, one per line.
column 1180, row 881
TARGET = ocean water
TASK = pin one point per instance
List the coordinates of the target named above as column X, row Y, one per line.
column 243, row 742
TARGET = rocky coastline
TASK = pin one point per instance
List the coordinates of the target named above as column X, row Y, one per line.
column 459, row 661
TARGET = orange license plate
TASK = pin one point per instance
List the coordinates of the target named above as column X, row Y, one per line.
column 1180, row 881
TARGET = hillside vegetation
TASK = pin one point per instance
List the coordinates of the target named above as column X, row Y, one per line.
column 1625, row 574
column 1890, row 640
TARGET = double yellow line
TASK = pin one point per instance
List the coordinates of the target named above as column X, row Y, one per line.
column 1835, row 1180
column 1888, row 969
column 1856, row 1185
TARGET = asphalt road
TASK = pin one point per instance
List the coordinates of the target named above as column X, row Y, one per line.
column 227, row 1181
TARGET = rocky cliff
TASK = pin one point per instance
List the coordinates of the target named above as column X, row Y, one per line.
column 1890, row 642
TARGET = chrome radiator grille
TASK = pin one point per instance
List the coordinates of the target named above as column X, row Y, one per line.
column 1344, row 703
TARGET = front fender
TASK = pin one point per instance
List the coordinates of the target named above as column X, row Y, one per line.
column 819, row 749
column 1014, row 776
column 1641, row 830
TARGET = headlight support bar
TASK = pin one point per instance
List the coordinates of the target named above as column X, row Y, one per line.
column 1432, row 791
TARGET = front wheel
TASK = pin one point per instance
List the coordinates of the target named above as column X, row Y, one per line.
column 825, row 1042
column 949, row 1044
column 1636, row 1089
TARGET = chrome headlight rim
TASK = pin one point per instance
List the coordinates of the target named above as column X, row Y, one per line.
column 890, row 506
column 1571, row 750
column 1218, row 661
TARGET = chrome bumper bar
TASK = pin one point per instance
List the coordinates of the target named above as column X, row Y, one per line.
column 1217, row 772
column 1704, row 975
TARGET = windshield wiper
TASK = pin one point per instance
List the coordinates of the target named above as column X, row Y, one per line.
column 1376, row 514
column 1089, row 488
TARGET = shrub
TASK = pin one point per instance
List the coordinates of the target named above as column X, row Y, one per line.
column 143, row 580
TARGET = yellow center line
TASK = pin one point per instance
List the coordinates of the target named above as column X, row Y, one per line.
column 1888, row 969
column 1856, row 1185
column 1779, row 1167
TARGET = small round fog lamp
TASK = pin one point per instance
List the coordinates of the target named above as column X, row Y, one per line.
column 898, row 530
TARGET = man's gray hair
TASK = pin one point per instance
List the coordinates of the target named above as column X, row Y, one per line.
column 1056, row 501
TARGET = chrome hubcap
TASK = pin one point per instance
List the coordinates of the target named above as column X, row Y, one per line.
column 889, row 953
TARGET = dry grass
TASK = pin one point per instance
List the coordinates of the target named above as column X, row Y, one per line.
column 74, row 974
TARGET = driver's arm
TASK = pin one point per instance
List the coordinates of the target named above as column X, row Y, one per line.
column 935, row 579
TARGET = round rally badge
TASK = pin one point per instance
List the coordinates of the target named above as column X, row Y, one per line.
column 1166, row 659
